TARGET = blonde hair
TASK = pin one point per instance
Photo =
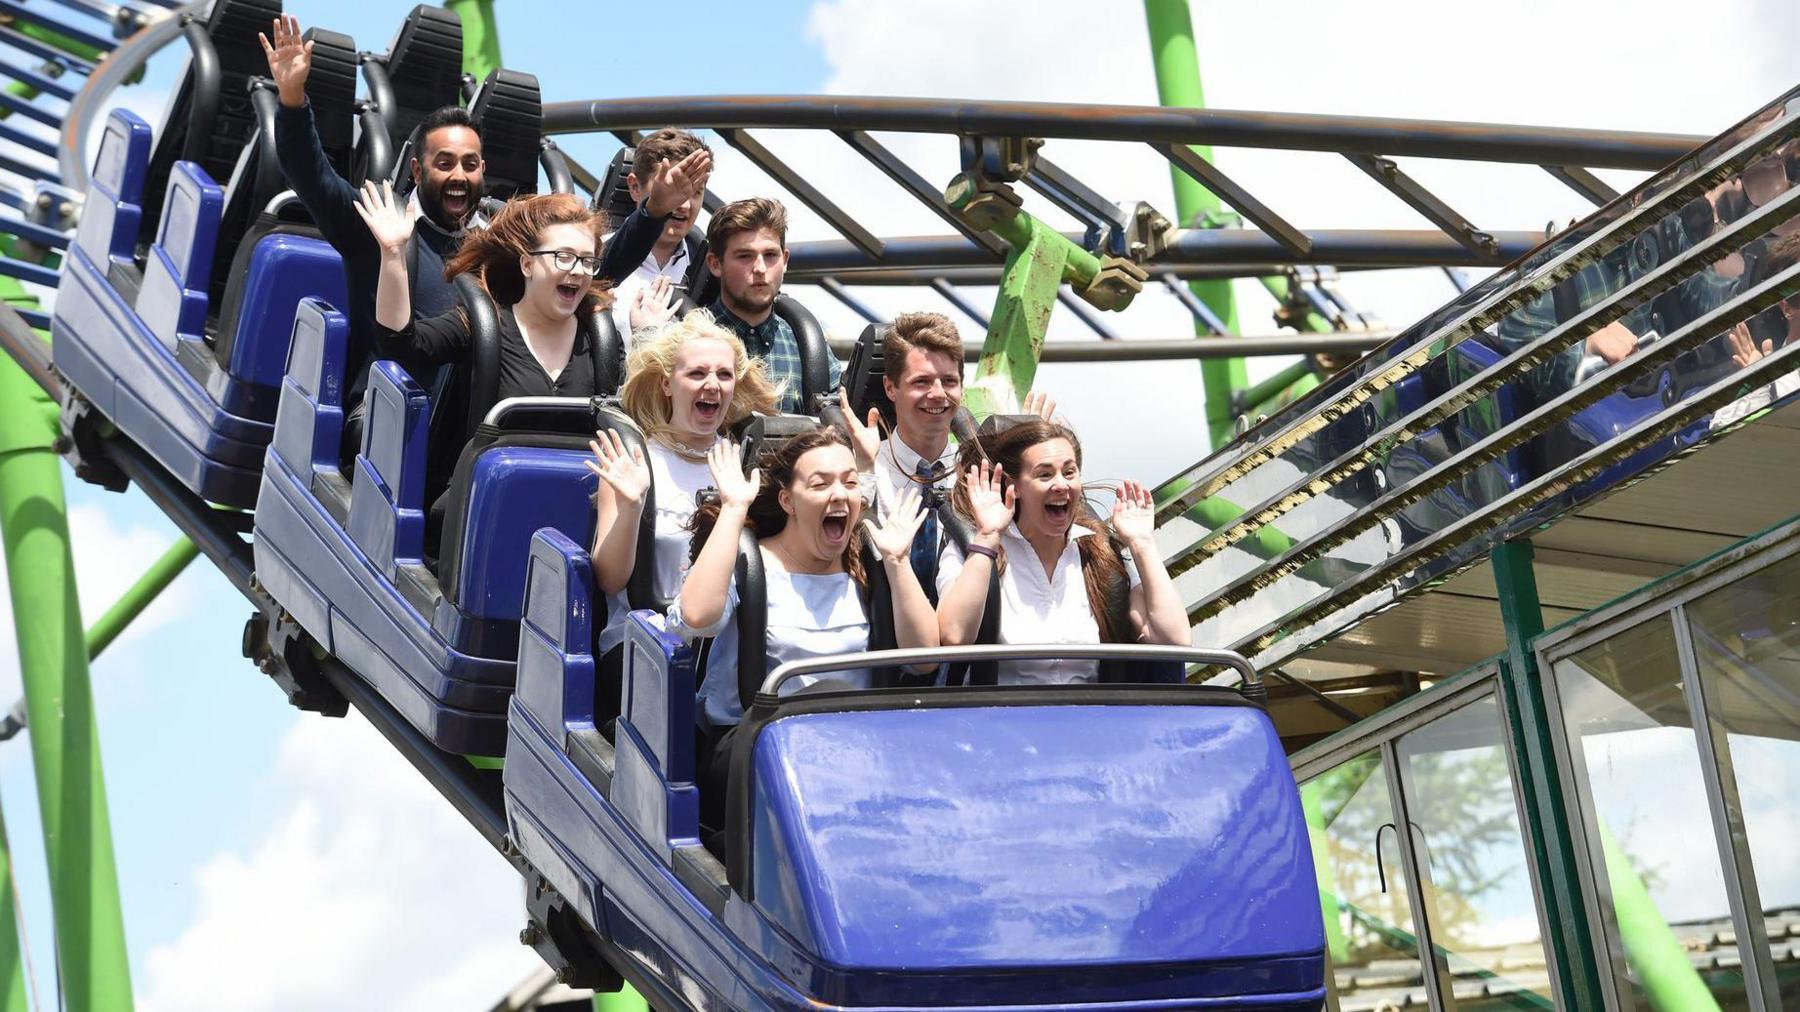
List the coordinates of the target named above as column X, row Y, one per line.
column 653, row 360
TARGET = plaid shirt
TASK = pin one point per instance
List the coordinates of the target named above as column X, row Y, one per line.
column 773, row 341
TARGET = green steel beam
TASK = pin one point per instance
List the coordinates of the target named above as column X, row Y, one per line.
column 132, row 603
column 481, row 36
column 1577, row 977
column 65, row 740
column 1669, row 980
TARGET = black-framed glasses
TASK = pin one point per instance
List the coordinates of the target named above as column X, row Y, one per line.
column 565, row 260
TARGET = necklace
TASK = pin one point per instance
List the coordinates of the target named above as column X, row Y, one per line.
column 681, row 449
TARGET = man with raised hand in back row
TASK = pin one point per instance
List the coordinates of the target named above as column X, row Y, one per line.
column 446, row 170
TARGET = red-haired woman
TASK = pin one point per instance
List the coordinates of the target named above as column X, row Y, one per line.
column 537, row 259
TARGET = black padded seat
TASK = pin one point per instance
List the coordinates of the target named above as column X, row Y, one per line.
column 209, row 121
column 510, row 108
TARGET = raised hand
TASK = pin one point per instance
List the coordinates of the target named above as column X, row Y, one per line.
column 894, row 538
column 675, row 183
column 290, row 60
column 626, row 473
column 653, row 305
column 1743, row 347
column 1040, row 405
column 991, row 509
column 735, row 487
column 386, row 217
column 1134, row 515
column 865, row 439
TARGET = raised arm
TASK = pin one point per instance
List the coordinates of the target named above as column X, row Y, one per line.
column 328, row 197
column 915, row 626
column 391, row 227
column 624, row 478
column 961, row 604
column 708, row 582
column 1156, row 611
column 670, row 187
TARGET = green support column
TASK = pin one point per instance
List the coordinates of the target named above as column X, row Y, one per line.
column 1577, row 979
column 1178, row 84
column 1009, row 354
column 1040, row 261
column 13, row 997
column 65, row 744
column 481, row 36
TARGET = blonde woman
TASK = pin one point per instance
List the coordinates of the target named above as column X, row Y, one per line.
column 686, row 383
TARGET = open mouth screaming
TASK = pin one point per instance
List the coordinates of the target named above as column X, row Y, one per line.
column 1059, row 513
column 706, row 410
column 836, row 524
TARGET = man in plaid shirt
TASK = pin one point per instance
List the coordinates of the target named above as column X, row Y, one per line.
column 746, row 248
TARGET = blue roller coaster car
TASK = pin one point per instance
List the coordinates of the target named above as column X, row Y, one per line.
column 348, row 558
column 1045, row 847
column 192, row 382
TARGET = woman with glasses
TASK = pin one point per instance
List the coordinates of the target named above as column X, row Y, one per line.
column 536, row 259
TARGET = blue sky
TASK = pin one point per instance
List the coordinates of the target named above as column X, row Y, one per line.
column 245, row 830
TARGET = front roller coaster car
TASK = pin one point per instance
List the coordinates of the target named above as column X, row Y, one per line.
column 1037, row 847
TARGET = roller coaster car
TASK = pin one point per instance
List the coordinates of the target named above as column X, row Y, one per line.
column 348, row 559
column 195, row 388
column 1067, row 847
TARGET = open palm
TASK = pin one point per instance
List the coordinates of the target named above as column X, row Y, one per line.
column 735, row 487
column 675, row 183
column 990, row 508
column 894, row 537
column 625, row 473
column 290, row 58
column 1134, row 515
column 386, row 217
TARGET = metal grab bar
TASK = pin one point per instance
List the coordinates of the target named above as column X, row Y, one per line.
column 769, row 692
column 577, row 405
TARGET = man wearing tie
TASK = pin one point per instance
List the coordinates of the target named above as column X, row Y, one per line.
column 922, row 356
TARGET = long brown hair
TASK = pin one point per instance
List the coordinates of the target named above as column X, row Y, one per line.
column 766, row 517
column 1101, row 564
column 492, row 253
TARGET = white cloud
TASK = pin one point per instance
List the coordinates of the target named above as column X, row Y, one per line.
column 370, row 892
column 110, row 555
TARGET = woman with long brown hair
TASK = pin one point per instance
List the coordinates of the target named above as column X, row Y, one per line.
column 805, row 515
column 1066, row 575
column 538, row 259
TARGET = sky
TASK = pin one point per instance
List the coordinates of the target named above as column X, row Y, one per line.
column 271, row 860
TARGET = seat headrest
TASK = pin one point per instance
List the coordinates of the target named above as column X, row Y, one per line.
column 510, row 109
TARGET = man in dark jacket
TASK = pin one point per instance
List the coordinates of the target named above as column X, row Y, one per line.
column 447, row 172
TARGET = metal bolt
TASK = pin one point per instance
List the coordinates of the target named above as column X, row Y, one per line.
column 530, row 934
column 565, row 974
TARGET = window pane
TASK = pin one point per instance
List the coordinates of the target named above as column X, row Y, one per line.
column 1483, row 913
column 1747, row 639
column 1628, row 729
column 1368, row 915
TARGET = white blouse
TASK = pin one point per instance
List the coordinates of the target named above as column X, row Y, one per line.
column 677, row 481
column 1039, row 608
column 809, row 616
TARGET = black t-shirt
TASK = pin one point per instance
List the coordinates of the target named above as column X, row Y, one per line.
column 445, row 339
